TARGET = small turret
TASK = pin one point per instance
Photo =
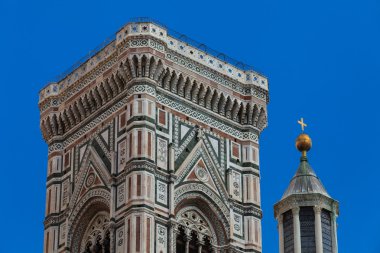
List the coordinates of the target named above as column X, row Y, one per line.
column 306, row 213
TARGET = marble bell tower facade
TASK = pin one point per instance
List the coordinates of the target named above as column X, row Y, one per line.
column 153, row 146
column 306, row 213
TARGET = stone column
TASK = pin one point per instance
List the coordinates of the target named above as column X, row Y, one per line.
column 200, row 242
column 318, row 229
column 187, row 244
column 281, row 233
column 334, row 236
column 297, row 229
column 200, row 247
column 187, row 239
column 112, row 236
column 173, row 233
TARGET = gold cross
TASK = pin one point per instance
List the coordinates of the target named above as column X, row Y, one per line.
column 303, row 125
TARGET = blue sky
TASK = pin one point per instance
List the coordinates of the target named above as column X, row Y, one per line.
column 322, row 59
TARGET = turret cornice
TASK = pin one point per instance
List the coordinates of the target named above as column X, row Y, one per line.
column 299, row 200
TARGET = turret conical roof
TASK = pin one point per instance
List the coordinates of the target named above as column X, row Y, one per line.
column 305, row 181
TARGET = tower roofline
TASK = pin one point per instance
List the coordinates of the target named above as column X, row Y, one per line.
column 178, row 42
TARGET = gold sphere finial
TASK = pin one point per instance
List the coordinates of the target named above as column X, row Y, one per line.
column 303, row 141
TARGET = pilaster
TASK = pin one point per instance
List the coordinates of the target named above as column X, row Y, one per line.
column 297, row 229
column 334, row 232
column 280, row 227
column 318, row 229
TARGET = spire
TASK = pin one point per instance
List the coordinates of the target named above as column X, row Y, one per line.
column 305, row 180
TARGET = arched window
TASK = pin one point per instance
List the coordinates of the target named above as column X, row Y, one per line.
column 193, row 242
column 96, row 239
column 193, row 234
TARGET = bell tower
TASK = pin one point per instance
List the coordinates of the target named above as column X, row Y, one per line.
column 306, row 213
column 153, row 147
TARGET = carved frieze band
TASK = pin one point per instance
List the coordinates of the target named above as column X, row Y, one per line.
column 180, row 107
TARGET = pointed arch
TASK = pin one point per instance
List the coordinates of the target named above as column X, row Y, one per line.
column 76, row 113
column 112, row 87
column 173, row 82
column 102, row 93
column 97, row 202
column 54, row 125
column 188, row 87
column 48, row 127
column 165, row 79
column 240, row 114
column 91, row 102
column 255, row 115
column 62, row 122
column 125, row 70
column 249, row 114
column 180, row 85
column 248, row 110
column 61, row 128
column 228, row 107
column 133, row 62
column 65, row 121
column 44, row 130
column 135, row 66
column 159, row 71
column 123, row 74
column 201, row 94
column 113, row 82
column 208, row 98
column 261, row 121
column 107, row 90
column 194, row 91
column 221, row 104
column 208, row 208
column 70, row 117
column 152, row 67
column 234, row 110
column 85, row 104
column 214, row 101
column 80, row 110
column 144, row 66
column 98, row 96
column 118, row 81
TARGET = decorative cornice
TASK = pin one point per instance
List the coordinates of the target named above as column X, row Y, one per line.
column 299, row 200
column 56, row 219
column 56, row 93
